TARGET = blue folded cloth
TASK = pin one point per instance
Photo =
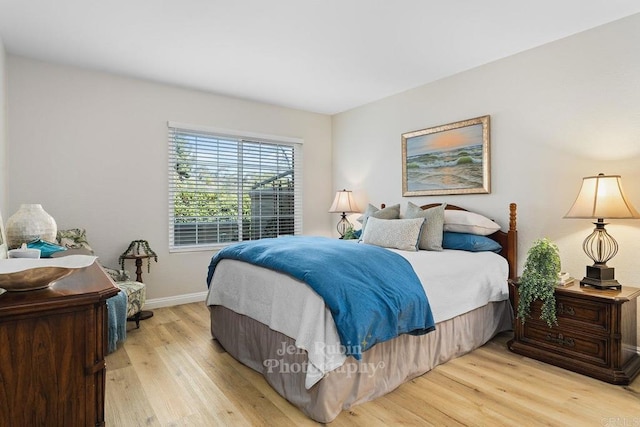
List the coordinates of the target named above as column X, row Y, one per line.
column 117, row 320
column 46, row 248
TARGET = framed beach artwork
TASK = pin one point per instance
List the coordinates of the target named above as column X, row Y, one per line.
column 447, row 159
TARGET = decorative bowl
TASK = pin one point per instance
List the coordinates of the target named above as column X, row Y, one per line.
column 27, row 274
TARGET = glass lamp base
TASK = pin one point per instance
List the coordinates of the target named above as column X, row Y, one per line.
column 343, row 225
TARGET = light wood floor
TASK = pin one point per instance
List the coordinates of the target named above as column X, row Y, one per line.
column 171, row 373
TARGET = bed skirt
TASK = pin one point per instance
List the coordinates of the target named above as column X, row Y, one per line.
column 382, row 369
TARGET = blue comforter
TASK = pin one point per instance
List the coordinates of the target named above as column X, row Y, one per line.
column 373, row 293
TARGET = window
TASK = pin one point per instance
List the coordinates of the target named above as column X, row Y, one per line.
column 225, row 187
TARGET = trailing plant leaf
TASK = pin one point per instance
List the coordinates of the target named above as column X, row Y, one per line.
column 538, row 281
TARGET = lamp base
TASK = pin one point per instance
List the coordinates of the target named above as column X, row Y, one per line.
column 600, row 277
column 343, row 225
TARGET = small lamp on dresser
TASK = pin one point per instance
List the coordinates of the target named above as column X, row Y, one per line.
column 601, row 197
column 344, row 204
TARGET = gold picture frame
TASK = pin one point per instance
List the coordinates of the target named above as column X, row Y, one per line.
column 447, row 159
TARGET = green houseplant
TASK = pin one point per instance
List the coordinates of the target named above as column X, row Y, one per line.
column 538, row 281
column 350, row 234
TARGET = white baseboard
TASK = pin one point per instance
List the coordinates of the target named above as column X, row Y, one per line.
column 150, row 304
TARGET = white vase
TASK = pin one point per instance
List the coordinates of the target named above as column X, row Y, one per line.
column 31, row 222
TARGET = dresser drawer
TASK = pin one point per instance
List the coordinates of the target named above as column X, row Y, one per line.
column 593, row 349
column 576, row 313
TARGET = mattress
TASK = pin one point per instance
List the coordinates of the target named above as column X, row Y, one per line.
column 455, row 282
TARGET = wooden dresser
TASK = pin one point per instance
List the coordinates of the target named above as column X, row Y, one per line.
column 52, row 348
column 596, row 333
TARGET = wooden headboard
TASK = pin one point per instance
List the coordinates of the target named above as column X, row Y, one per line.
column 508, row 240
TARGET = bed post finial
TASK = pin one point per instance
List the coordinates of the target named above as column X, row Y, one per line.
column 512, row 216
column 512, row 243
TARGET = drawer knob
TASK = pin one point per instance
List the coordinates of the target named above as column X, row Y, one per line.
column 560, row 339
column 562, row 309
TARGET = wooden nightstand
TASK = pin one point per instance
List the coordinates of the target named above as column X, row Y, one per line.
column 596, row 333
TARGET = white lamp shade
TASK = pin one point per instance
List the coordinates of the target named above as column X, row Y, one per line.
column 602, row 196
column 343, row 202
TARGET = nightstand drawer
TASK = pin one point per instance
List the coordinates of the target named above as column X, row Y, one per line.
column 592, row 349
column 581, row 314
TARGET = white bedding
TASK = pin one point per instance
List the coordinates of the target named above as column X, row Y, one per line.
column 455, row 282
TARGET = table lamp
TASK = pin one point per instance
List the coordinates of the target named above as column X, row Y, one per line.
column 139, row 250
column 601, row 197
column 343, row 203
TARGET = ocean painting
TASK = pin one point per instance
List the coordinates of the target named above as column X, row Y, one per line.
column 449, row 159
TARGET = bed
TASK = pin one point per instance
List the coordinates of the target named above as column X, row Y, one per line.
column 278, row 326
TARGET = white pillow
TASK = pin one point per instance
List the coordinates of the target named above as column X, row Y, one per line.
column 401, row 234
column 468, row 222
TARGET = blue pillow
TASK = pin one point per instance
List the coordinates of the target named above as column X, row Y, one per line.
column 469, row 242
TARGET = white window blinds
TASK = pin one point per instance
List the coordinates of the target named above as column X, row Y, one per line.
column 227, row 188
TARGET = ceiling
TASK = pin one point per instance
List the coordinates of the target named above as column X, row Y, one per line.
column 324, row 56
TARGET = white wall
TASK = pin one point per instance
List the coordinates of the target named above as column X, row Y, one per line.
column 3, row 131
column 92, row 149
column 559, row 112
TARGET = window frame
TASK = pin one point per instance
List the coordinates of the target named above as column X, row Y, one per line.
column 240, row 136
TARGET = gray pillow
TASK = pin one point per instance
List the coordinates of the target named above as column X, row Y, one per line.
column 390, row 212
column 432, row 229
column 401, row 234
